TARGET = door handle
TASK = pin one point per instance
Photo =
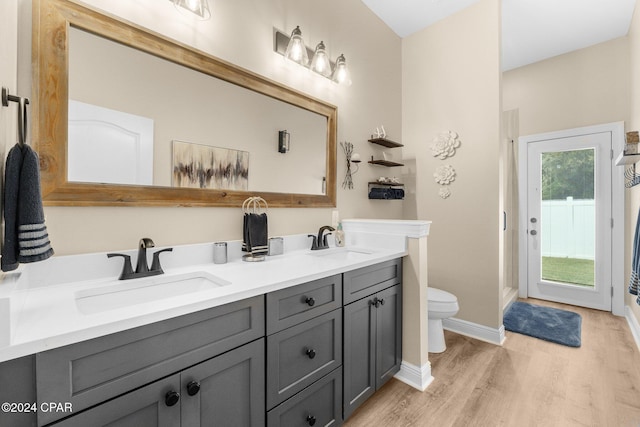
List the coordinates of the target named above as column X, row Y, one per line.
column 533, row 220
column 534, row 232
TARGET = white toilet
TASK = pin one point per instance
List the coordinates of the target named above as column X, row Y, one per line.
column 440, row 305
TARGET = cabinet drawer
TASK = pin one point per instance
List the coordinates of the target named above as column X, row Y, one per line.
column 298, row 356
column 290, row 306
column 319, row 405
column 96, row 370
column 369, row 280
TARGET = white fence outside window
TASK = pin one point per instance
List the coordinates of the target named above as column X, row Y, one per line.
column 568, row 228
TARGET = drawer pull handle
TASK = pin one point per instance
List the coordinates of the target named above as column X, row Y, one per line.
column 193, row 388
column 171, row 398
column 311, row 420
column 310, row 301
column 311, row 353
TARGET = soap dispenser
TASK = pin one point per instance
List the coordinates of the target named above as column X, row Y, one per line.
column 339, row 236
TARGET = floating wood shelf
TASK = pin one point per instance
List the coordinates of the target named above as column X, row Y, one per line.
column 385, row 163
column 385, row 142
column 387, row 184
column 627, row 159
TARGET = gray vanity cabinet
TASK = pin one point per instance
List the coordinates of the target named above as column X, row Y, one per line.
column 372, row 334
column 304, row 354
column 94, row 371
column 227, row 390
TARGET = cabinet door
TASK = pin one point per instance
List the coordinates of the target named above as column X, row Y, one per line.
column 388, row 334
column 228, row 390
column 359, row 353
column 148, row 406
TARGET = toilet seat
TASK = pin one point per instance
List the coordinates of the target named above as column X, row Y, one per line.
column 441, row 301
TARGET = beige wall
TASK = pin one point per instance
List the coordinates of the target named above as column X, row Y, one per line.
column 632, row 201
column 241, row 32
column 451, row 81
column 8, row 79
column 581, row 88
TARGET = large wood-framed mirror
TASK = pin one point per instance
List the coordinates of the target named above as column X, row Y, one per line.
column 58, row 22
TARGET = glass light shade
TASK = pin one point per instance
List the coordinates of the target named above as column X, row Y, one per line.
column 199, row 7
column 320, row 62
column 341, row 72
column 296, row 50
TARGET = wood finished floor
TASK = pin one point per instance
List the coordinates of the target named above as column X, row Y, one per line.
column 527, row 382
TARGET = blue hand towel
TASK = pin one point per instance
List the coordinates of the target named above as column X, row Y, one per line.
column 26, row 238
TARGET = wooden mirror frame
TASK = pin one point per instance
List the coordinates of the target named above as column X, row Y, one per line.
column 51, row 22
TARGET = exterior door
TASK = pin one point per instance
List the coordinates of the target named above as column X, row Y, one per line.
column 569, row 221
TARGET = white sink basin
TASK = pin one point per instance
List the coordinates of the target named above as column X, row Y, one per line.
column 346, row 254
column 125, row 293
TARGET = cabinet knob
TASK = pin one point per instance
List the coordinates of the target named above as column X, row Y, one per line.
column 193, row 388
column 376, row 302
column 171, row 398
column 311, row 353
column 381, row 300
column 310, row 301
column 311, row 420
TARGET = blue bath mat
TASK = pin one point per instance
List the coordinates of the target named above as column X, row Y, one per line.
column 549, row 324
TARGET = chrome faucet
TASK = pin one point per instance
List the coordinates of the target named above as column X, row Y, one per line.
column 142, row 267
column 320, row 242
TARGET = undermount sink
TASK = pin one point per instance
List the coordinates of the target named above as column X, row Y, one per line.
column 347, row 254
column 125, row 293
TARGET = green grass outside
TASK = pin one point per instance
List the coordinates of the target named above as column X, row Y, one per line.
column 568, row 270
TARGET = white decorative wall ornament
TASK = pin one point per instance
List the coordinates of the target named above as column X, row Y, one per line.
column 444, row 192
column 445, row 144
column 380, row 132
column 445, row 175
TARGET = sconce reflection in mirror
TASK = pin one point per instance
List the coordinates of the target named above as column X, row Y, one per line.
column 352, row 158
column 293, row 48
column 284, row 139
column 199, row 7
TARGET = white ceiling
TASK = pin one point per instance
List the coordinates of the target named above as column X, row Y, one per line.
column 532, row 30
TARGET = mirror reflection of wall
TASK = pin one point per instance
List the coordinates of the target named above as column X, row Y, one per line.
column 190, row 106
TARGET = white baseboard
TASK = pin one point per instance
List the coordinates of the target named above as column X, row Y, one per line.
column 632, row 320
column 474, row 330
column 416, row 377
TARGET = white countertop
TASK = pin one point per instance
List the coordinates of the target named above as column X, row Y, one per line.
column 39, row 309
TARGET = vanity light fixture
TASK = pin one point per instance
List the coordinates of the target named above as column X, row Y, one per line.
column 293, row 48
column 296, row 49
column 199, row 7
